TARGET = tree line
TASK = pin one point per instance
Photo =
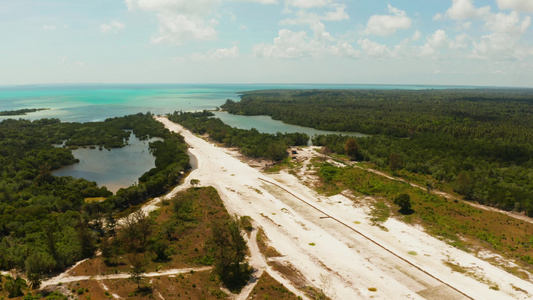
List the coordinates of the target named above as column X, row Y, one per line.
column 20, row 112
column 251, row 142
column 479, row 141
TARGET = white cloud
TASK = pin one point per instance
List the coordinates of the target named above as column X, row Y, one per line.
column 387, row 25
column 49, row 27
column 67, row 62
column 186, row 7
column 517, row 5
column 416, row 36
column 308, row 3
column 465, row 9
column 287, row 45
column 505, row 40
column 374, row 50
column 218, row 54
column 500, row 46
column 113, row 26
column 291, row 45
column 320, row 33
column 180, row 20
column 131, row 4
column 262, row 1
column 508, row 23
column 439, row 41
column 178, row 28
column 299, row 44
column 344, row 50
column 304, row 17
column 314, row 21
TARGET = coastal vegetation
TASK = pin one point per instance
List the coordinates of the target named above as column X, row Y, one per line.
column 251, row 142
column 20, row 112
column 45, row 222
column 457, row 223
column 191, row 230
column 478, row 142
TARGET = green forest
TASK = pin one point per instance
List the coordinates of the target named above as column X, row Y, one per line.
column 479, row 141
column 251, row 142
column 20, row 112
column 46, row 224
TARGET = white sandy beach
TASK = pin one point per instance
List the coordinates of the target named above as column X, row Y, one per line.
column 336, row 257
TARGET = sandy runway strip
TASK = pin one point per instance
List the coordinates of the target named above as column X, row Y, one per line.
column 326, row 242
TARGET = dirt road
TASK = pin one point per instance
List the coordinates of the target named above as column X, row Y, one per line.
column 403, row 263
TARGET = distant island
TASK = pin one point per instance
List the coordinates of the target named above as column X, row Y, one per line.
column 20, row 112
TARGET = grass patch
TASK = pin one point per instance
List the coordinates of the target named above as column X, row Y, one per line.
column 290, row 272
column 412, row 253
column 312, row 244
column 264, row 247
column 455, row 267
column 380, row 213
column 372, row 289
column 519, row 289
column 455, row 222
column 256, row 190
column 315, row 293
column 185, row 286
column 94, row 199
column 268, row 288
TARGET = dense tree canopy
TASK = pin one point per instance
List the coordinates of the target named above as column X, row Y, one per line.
column 478, row 140
column 489, row 114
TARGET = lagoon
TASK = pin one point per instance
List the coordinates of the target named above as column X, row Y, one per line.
column 268, row 125
column 115, row 168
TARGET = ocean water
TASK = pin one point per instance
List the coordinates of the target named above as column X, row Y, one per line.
column 96, row 102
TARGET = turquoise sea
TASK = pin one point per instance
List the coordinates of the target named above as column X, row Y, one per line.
column 96, row 102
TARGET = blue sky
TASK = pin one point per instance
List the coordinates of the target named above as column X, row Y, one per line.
column 457, row 42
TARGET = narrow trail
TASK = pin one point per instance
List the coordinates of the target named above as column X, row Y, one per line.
column 260, row 265
column 257, row 262
column 68, row 278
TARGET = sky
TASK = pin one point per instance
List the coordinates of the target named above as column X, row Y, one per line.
column 436, row 42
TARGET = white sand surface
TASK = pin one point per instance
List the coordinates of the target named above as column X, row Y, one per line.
column 335, row 254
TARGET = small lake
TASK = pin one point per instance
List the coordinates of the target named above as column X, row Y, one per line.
column 116, row 168
column 268, row 125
